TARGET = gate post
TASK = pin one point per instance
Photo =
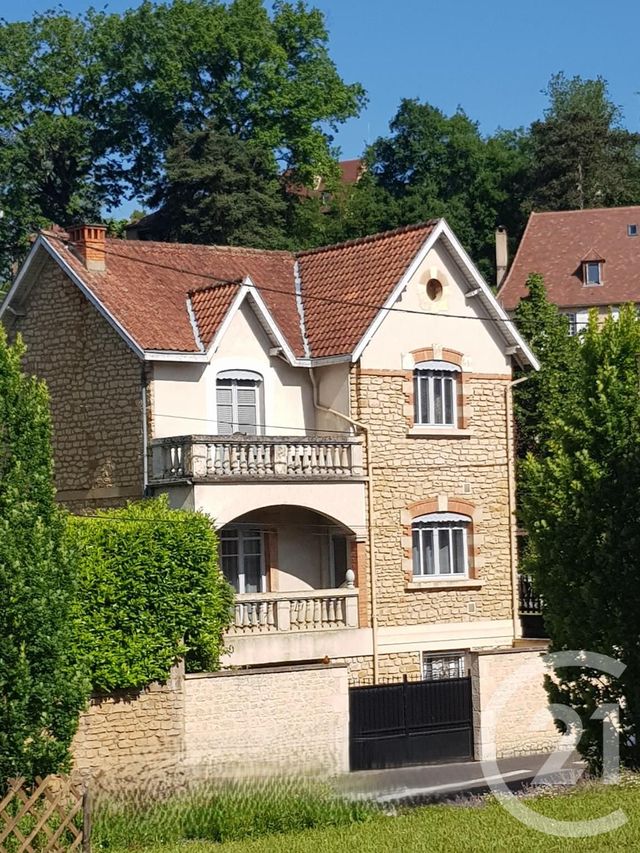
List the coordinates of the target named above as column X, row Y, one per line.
column 86, row 817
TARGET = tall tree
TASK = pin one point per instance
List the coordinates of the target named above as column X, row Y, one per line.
column 90, row 104
column 580, row 508
column 42, row 687
column 220, row 189
column 581, row 155
column 435, row 165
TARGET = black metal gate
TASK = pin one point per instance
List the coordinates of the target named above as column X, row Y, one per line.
column 411, row 722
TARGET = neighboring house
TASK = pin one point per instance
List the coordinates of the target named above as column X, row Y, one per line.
column 343, row 414
column 589, row 259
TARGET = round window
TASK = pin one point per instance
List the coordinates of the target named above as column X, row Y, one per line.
column 434, row 289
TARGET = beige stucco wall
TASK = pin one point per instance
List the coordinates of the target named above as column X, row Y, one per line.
column 342, row 501
column 184, row 395
column 511, row 707
column 95, row 383
column 400, row 332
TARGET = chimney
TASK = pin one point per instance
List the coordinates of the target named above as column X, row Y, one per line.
column 502, row 254
column 89, row 244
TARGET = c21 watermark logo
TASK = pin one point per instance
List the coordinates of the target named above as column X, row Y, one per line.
column 608, row 713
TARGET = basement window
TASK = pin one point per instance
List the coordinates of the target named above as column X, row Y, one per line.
column 440, row 667
column 632, row 230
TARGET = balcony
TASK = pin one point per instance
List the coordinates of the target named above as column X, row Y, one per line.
column 244, row 458
column 285, row 612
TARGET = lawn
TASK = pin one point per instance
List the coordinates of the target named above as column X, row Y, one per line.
column 484, row 827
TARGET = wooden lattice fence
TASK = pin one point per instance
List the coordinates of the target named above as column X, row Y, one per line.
column 50, row 815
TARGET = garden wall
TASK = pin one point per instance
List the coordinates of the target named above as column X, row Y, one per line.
column 511, row 708
column 286, row 720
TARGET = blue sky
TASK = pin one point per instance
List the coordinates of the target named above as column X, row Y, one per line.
column 492, row 58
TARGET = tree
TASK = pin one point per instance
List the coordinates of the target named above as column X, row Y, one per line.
column 42, row 684
column 581, row 155
column 580, row 508
column 544, row 393
column 220, row 189
column 149, row 592
column 434, row 165
column 90, row 104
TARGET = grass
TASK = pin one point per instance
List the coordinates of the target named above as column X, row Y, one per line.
column 222, row 813
column 482, row 828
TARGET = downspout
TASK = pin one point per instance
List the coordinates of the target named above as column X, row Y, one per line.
column 145, row 438
column 508, row 407
column 370, row 512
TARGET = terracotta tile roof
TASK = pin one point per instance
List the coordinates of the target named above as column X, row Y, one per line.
column 364, row 271
column 146, row 284
column 555, row 244
column 146, row 287
column 210, row 307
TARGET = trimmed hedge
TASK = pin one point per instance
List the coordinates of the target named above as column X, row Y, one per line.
column 150, row 591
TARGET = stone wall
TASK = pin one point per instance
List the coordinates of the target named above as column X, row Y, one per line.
column 511, row 713
column 254, row 722
column 95, row 384
column 291, row 720
column 125, row 730
column 470, row 467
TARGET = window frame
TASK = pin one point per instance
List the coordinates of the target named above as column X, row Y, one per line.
column 234, row 377
column 439, row 522
column 587, row 265
column 428, row 658
column 243, row 535
column 427, row 373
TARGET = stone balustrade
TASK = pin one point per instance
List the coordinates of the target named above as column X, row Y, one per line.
column 307, row 610
column 255, row 457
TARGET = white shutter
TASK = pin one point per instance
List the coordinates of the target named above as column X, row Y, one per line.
column 224, row 400
column 247, row 407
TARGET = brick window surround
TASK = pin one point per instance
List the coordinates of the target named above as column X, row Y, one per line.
column 443, row 503
column 440, row 354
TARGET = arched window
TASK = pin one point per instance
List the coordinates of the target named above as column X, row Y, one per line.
column 440, row 547
column 239, row 402
column 435, row 393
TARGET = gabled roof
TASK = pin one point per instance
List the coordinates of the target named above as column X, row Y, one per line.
column 362, row 272
column 173, row 301
column 556, row 244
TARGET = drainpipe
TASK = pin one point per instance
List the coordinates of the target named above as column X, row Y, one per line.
column 508, row 407
column 145, row 438
column 370, row 512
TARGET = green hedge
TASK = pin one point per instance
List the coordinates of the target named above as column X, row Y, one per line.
column 150, row 591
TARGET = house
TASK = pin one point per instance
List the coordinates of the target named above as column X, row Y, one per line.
column 344, row 414
column 588, row 258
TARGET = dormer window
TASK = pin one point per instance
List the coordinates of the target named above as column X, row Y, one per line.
column 592, row 271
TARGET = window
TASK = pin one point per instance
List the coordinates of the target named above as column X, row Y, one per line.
column 438, row 667
column 238, row 402
column 242, row 557
column 338, row 559
column 573, row 324
column 632, row 230
column 440, row 545
column 592, row 272
column 435, row 391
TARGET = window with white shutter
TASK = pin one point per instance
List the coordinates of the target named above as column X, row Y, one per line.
column 239, row 403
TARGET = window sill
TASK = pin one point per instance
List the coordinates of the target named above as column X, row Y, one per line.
column 441, row 583
column 438, row 432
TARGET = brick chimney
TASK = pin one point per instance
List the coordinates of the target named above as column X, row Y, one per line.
column 89, row 244
column 502, row 254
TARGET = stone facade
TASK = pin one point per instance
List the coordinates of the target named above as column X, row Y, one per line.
column 291, row 720
column 468, row 472
column 95, row 383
